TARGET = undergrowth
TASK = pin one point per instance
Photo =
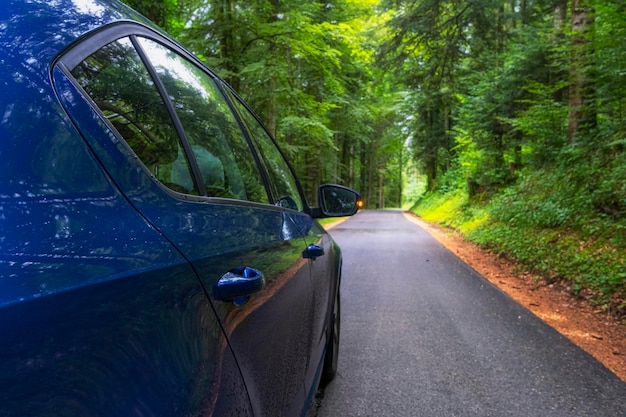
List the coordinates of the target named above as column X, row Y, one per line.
column 551, row 228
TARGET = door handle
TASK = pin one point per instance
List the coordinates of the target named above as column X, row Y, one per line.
column 238, row 284
column 313, row 251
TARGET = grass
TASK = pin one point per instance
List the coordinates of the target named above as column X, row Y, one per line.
column 547, row 237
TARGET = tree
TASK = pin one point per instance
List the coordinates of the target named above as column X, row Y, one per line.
column 431, row 40
column 582, row 111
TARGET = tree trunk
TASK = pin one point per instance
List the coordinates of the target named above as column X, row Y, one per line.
column 228, row 47
column 351, row 174
column 371, row 180
column 271, row 107
column 582, row 111
column 272, row 114
column 381, row 187
column 401, row 170
column 559, row 73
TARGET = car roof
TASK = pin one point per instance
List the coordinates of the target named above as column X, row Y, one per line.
column 34, row 32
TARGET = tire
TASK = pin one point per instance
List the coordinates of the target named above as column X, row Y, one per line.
column 331, row 356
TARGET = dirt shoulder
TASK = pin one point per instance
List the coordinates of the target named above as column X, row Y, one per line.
column 592, row 330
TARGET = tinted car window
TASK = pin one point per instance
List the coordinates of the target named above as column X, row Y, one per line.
column 282, row 182
column 224, row 156
column 208, row 138
column 119, row 83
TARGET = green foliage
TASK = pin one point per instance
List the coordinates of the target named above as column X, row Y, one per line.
column 542, row 123
column 443, row 208
column 546, row 237
column 413, row 188
column 543, row 201
column 168, row 14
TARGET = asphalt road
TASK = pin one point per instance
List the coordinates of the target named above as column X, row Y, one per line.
column 423, row 334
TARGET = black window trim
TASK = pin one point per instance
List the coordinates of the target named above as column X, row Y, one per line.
column 182, row 136
column 222, row 87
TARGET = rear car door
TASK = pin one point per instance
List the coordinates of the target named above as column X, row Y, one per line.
column 201, row 187
column 325, row 256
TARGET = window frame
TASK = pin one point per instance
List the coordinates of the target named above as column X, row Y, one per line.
column 92, row 42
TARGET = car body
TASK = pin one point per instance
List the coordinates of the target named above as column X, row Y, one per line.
column 157, row 254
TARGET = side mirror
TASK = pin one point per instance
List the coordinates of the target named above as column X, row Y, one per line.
column 336, row 201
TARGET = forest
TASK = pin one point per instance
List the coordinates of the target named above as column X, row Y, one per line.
column 504, row 119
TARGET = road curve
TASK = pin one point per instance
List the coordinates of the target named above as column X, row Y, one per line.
column 423, row 334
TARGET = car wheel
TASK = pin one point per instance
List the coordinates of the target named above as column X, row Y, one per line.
column 332, row 346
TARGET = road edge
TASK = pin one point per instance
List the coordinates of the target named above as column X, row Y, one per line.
column 597, row 334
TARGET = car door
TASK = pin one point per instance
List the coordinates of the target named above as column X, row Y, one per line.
column 202, row 188
column 324, row 263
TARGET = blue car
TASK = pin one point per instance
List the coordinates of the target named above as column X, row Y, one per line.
column 157, row 254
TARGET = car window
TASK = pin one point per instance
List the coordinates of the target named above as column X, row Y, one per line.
column 224, row 157
column 208, row 141
column 282, row 182
column 119, row 83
